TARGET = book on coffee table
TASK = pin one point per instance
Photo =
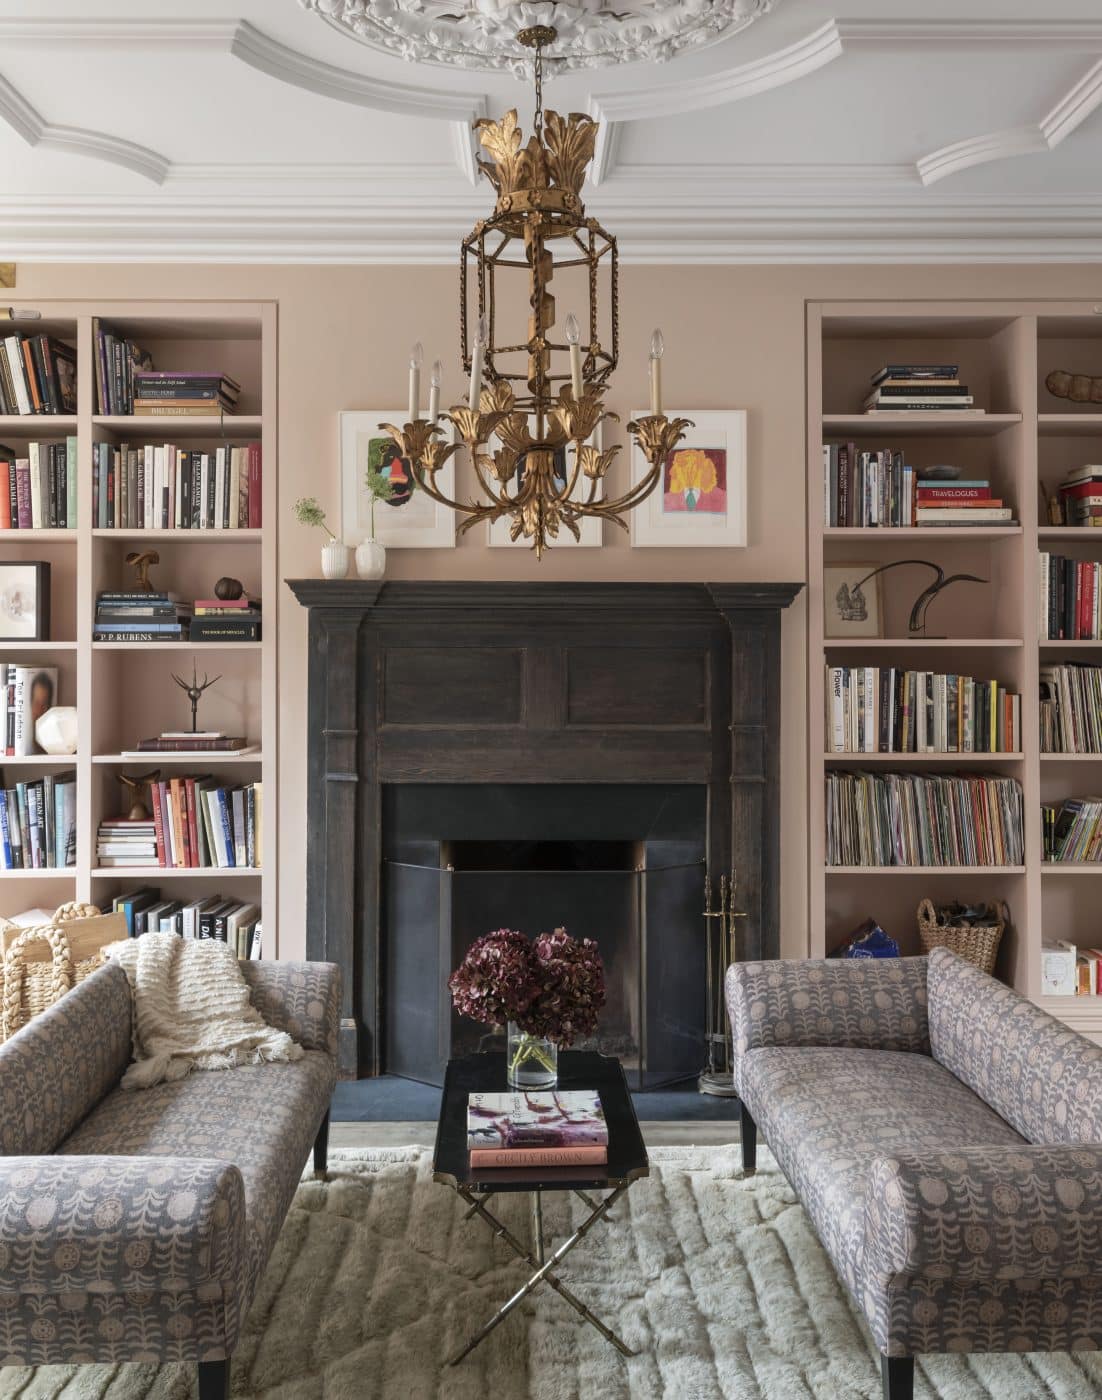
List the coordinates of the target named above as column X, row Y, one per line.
column 536, row 1128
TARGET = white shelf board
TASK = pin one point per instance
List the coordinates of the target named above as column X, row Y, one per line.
column 185, row 536
column 66, row 536
column 1047, row 645
column 18, row 645
column 921, row 643
column 1069, row 424
column 905, row 760
column 920, row 532
column 157, row 759
column 69, row 873
column 39, row 760
column 924, row 424
column 176, row 646
column 1071, row 757
column 926, row 870
column 38, row 425
column 155, row 428
column 162, row 872
column 1069, row 532
column 1071, row 867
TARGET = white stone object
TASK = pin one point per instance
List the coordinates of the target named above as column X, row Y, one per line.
column 56, row 730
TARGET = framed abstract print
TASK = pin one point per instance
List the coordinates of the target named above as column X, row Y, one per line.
column 590, row 528
column 410, row 519
column 701, row 497
column 24, row 601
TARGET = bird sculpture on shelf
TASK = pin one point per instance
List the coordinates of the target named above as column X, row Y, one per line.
column 850, row 596
column 138, row 812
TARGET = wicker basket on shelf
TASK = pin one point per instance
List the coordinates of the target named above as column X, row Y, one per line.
column 976, row 943
column 41, row 963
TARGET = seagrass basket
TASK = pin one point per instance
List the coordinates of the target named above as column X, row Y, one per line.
column 976, row 944
column 41, row 963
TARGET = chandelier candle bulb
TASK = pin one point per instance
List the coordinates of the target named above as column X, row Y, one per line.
column 476, row 365
column 435, row 380
column 657, row 346
column 416, row 359
column 573, row 339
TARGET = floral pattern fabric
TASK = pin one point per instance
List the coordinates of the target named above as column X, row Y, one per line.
column 142, row 1238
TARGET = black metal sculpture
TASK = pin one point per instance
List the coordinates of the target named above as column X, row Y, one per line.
column 917, row 622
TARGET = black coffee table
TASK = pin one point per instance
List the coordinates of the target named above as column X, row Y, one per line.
column 627, row 1163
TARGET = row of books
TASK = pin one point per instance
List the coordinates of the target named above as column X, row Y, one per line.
column 1068, row 972
column 871, row 709
column 197, row 823
column 28, row 692
column 1071, row 831
column 38, row 823
column 1070, row 598
column 919, row 388
column 915, row 819
column 163, row 487
column 38, row 486
column 38, row 374
column 881, row 489
column 551, row 1128
column 131, row 615
column 1081, row 496
column 194, row 393
column 116, row 359
column 1071, row 708
column 231, row 921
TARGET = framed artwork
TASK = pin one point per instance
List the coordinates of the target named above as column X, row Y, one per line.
column 701, row 498
column 410, row 519
column 24, row 601
column 591, row 528
column 852, row 603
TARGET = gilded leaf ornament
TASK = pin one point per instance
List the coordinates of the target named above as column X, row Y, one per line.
column 570, row 145
column 514, row 167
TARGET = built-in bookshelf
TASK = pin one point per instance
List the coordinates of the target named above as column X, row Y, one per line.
column 1026, row 440
column 125, row 691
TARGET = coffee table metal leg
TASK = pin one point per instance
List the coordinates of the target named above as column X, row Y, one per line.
column 544, row 1273
column 591, row 1203
column 537, row 1225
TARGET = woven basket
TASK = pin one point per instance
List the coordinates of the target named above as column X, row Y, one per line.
column 976, row 945
column 42, row 963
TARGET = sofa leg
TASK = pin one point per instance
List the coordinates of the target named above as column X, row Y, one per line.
column 749, row 1135
column 214, row 1380
column 321, row 1147
column 898, row 1375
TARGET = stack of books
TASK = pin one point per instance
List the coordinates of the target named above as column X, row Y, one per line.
column 117, row 359
column 1081, row 495
column 867, row 489
column 552, row 1128
column 28, row 691
column 126, row 841
column 969, row 502
column 1065, row 971
column 38, row 374
column 192, row 393
column 231, row 921
column 1071, row 833
column 919, row 389
column 38, row 823
column 1071, row 708
column 164, row 487
column 38, row 486
column 196, row 742
column 134, row 616
column 199, row 822
column 1070, row 599
column 914, row 819
column 226, row 620
column 871, row 709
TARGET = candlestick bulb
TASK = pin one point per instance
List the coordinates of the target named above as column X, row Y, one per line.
column 573, row 330
column 416, row 355
column 657, row 345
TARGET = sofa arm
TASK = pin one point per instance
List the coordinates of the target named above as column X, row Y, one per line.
column 69, row 1224
column 302, row 998
column 986, row 1213
column 855, row 1003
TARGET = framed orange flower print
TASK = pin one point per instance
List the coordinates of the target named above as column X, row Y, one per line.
column 701, row 497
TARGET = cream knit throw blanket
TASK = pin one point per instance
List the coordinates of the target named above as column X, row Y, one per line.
column 191, row 1010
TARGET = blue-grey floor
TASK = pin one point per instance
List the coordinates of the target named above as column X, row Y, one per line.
column 389, row 1099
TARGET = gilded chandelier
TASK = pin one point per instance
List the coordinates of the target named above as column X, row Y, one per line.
column 528, row 428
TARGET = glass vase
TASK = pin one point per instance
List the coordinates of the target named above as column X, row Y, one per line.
column 530, row 1061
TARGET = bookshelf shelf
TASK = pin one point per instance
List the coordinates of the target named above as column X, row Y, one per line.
column 926, row 870
column 861, row 425
column 1070, row 424
column 1071, row 867
column 1069, row 532
column 922, row 532
column 40, row 760
column 918, row 643
column 124, row 691
column 1070, row 757
column 908, row 760
column 1048, row 645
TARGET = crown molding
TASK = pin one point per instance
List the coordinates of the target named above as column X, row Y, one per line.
column 1073, row 109
column 25, row 121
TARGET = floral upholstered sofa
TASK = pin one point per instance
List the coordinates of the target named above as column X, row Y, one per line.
column 945, row 1137
column 135, row 1224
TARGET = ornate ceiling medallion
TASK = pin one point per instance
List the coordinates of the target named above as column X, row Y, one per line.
column 482, row 34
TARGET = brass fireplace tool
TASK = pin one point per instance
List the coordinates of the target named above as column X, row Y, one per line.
column 721, row 950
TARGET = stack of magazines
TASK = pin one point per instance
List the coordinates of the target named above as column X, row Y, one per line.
column 549, row 1128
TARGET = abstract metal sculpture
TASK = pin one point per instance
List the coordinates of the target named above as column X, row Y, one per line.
column 194, row 691
column 851, row 597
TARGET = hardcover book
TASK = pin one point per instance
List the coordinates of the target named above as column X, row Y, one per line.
column 551, row 1118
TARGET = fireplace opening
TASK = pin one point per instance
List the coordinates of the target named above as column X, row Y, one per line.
column 571, row 864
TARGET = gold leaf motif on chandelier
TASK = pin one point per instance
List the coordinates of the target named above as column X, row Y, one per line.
column 593, row 462
column 570, row 145
column 514, row 168
column 503, row 463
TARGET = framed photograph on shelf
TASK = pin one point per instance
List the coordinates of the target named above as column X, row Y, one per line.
column 852, row 602
column 24, row 601
column 701, row 498
column 591, row 528
column 410, row 519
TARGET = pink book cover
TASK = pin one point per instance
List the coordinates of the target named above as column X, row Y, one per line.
column 254, row 461
column 537, row 1119
column 538, row 1156
column 23, row 492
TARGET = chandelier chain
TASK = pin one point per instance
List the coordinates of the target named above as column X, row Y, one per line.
column 537, row 70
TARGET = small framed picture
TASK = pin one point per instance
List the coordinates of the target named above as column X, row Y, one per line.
column 590, row 527
column 24, row 601
column 701, row 497
column 852, row 600
column 410, row 519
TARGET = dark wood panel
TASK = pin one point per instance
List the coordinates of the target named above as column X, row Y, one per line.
column 553, row 756
column 637, row 684
column 451, row 686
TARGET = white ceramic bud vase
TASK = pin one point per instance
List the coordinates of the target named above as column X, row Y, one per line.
column 370, row 559
column 334, row 560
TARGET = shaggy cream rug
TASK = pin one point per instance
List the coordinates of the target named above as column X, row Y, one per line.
column 719, row 1283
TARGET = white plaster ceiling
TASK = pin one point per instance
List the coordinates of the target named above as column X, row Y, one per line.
column 251, row 130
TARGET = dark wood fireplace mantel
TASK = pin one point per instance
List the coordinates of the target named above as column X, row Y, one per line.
column 454, row 682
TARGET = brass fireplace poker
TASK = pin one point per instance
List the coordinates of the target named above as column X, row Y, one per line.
column 720, row 951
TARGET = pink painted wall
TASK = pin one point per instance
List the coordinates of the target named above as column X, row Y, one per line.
column 734, row 337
